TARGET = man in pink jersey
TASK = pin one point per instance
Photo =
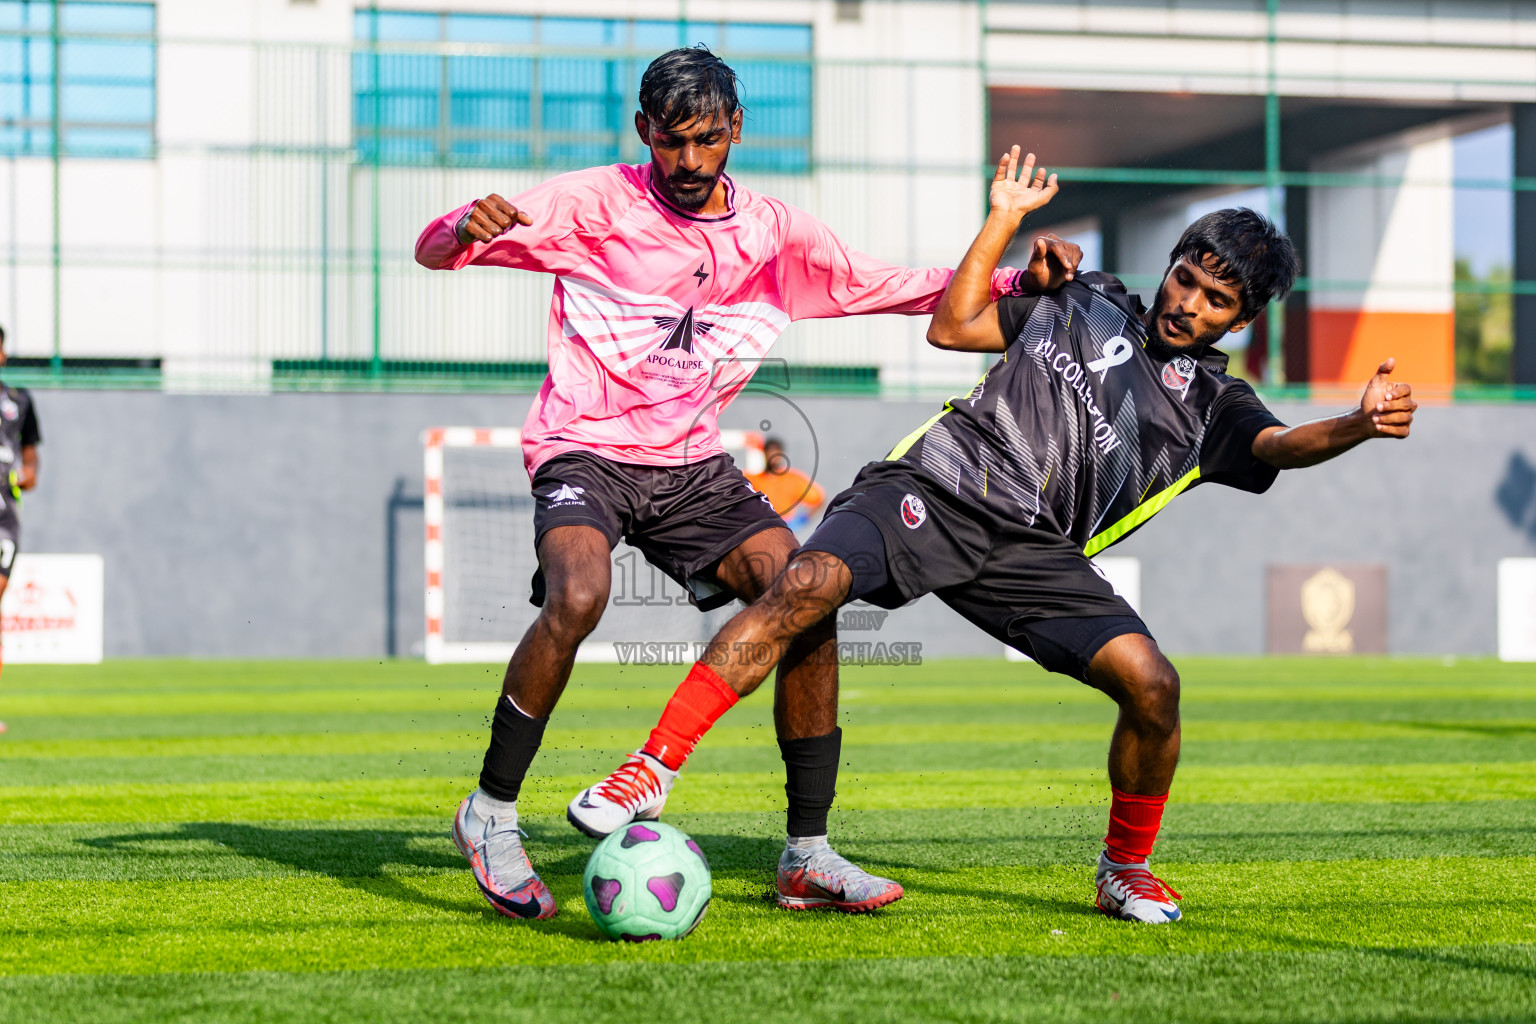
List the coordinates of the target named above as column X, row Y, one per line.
column 671, row 282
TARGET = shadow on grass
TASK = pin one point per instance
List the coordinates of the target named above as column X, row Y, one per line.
column 358, row 859
column 1024, row 902
column 1462, row 959
column 354, row 857
column 1489, row 730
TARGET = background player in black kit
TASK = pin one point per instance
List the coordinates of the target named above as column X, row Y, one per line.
column 1097, row 415
column 19, row 438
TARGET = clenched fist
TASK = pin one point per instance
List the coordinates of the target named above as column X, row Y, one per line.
column 490, row 217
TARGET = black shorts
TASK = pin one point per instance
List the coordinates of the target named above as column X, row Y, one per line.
column 684, row 519
column 903, row 536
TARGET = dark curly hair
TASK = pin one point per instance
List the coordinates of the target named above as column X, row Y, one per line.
column 1242, row 247
column 685, row 84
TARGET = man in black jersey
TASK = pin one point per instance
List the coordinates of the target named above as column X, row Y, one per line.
column 19, row 438
column 1098, row 413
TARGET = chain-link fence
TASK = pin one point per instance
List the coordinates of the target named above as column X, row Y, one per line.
column 230, row 213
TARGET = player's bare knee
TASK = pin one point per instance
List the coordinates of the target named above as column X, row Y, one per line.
column 810, row 589
column 573, row 609
column 817, row 573
column 785, row 613
column 1155, row 696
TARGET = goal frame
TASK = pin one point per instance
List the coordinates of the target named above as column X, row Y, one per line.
column 437, row 648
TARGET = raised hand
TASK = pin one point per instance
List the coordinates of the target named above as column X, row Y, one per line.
column 1387, row 404
column 491, row 216
column 1016, row 192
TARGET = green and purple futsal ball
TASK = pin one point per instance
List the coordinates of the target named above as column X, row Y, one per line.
column 647, row 881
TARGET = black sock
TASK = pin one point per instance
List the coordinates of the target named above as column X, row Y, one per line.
column 810, row 769
column 515, row 738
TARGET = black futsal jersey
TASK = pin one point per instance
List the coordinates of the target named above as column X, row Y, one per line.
column 1073, row 439
column 1077, row 431
column 18, row 430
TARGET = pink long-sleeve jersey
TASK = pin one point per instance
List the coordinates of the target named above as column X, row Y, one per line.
column 660, row 316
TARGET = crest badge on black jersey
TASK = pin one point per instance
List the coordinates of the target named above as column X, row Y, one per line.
column 913, row 512
column 1178, row 373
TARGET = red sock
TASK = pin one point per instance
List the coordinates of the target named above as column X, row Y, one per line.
column 695, row 706
column 1133, row 823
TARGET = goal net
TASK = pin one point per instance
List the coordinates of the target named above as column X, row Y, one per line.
column 480, row 558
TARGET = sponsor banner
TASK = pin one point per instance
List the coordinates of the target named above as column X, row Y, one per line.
column 1123, row 573
column 53, row 610
column 1326, row 609
column 1517, row 609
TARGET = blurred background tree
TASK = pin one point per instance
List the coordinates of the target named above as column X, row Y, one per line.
column 1484, row 325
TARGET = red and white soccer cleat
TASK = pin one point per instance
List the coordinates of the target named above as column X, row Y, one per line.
column 637, row 791
column 819, row 878
column 1132, row 893
column 493, row 845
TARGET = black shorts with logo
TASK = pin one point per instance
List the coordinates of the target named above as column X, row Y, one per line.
column 903, row 536
column 684, row 519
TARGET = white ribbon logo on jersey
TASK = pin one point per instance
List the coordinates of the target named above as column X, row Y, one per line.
column 565, row 494
column 1117, row 350
column 1178, row 374
column 913, row 511
column 8, row 408
column 1075, row 376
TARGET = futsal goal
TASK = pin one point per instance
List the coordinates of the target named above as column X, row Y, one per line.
column 480, row 558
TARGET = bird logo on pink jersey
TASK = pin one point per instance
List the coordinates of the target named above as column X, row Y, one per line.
column 683, row 330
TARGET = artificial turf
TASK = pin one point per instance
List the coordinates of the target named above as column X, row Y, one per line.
column 1355, row 840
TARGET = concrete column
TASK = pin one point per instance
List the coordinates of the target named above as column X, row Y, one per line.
column 1383, row 260
column 1524, row 356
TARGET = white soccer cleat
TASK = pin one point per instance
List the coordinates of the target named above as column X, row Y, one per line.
column 637, row 791
column 493, row 845
column 1132, row 893
column 820, row 878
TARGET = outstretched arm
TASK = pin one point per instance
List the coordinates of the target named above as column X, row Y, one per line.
column 1386, row 410
column 819, row 276
column 967, row 315
column 464, row 236
column 551, row 228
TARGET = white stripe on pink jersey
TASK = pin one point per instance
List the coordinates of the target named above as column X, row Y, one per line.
column 650, row 301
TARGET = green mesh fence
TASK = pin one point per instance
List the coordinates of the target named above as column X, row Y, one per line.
column 226, row 215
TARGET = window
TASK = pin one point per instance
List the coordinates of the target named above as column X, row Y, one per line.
column 569, row 100
column 106, row 85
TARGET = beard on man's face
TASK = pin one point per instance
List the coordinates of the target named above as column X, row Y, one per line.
column 1162, row 348
column 691, row 191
